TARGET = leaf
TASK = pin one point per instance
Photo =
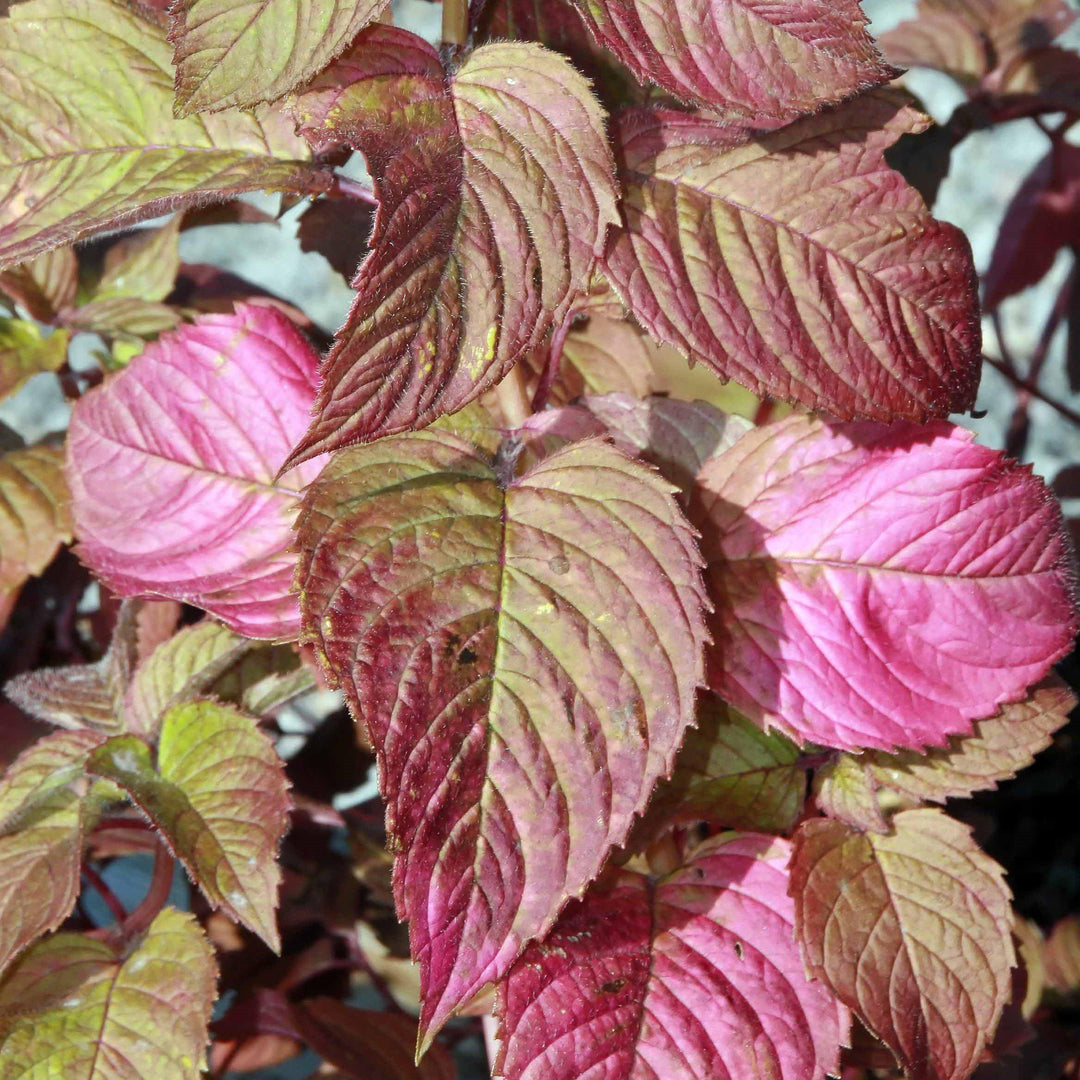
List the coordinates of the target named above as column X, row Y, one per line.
column 180, row 669
column 89, row 141
column 92, row 695
column 123, row 315
column 1038, row 81
column 34, row 516
column 845, row 789
column 44, row 286
column 143, row 265
column 997, row 749
column 366, row 1044
column 85, row 1009
column 25, row 352
column 338, row 229
column 695, row 977
column 1061, row 955
column 762, row 61
column 42, row 825
column 518, row 185
column 524, row 662
column 678, row 437
column 264, row 679
column 734, row 250
column 729, row 772
column 912, row 931
column 219, row 796
column 879, row 585
column 243, row 52
column 206, row 522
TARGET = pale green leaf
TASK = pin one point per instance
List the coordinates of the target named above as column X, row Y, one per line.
column 80, row 1008
column 25, row 351
column 144, row 265
column 88, row 139
column 219, row 796
column 243, row 52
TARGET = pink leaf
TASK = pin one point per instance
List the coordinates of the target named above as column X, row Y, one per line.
column 752, row 58
column 495, row 190
column 797, row 262
column 172, row 466
column 523, row 654
column 693, row 978
column 879, row 585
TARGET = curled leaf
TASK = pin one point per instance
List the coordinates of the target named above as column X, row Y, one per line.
column 518, row 191
column 879, row 585
column 523, row 654
column 172, row 465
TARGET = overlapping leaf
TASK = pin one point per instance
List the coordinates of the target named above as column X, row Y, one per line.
column 797, row 262
column 879, row 585
column 35, row 518
column 172, row 465
column 1062, row 955
column 694, row 977
column 912, row 931
column 45, row 285
column 517, row 190
column 42, row 824
column 523, row 654
column 88, row 139
column 751, row 58
column 219, row 796
column 87, row 1009
column 243, row 52
column 997, row 749
column 25, row 351
column 730, row 772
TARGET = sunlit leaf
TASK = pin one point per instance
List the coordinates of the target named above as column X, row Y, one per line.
column 243, row 52
column 172, row 465
column 694, row 977
column 25, row 351
column 879, row 585
column 81, row 1008
column 735, row 250
column 730, row 772
column 35, row 518
column 523, row 654
column 42, row 824
column 845, row 790
column 45, row 285
column 511, row 155
column 180, row 669
column 88, row 138
column 911, row 930
column 219, row 796
column 751, row 58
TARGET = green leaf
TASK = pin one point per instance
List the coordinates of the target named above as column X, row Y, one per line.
column 45, row 285
column 180, row 669
column 844, row 789
column 24, row 351
column 729, row 772
column 263, row 679
column 243, row 52
column 88, row 139
column 144, row 265
column 42, row 824
column 35, row 518
column 220, row 798
column 80, row 1008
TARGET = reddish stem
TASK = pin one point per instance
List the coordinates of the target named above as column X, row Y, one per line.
column 101, row 887
column 341, row 187
column 157, row 894
column 1018, row 381
column 551, row 366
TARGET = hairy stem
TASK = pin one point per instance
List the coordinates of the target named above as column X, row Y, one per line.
column 551, row 365
column 455, row 22
column 101, row 887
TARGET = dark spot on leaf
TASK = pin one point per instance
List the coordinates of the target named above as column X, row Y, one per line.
column 612, row 987
column 738, row 949
column 466, row 656
column 537, row 277
column 698, row 872
column 452, row 642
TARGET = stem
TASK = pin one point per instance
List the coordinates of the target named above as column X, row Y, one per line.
column 160, row 883
column 1069, row 414
column 343, row 188
column 101, row 887
column 513, row 398
column 551, row 366
column 455, row 22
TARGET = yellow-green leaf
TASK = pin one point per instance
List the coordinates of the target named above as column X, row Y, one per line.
column 25, row 351
column 88, row 139
column 79, row 1008
column 219, row 796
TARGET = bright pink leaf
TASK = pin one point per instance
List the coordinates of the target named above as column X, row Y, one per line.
column 172, row 466
column 495, row 190
column 797, row 262
column 912, row 930
column 752, row 58
column 879, row 585
column 523, row 654
column 693, row 978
